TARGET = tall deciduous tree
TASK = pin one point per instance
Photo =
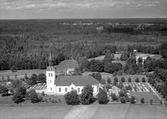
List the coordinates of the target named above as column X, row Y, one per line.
column 86, row 96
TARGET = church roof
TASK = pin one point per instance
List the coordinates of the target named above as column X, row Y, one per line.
column 76, row 80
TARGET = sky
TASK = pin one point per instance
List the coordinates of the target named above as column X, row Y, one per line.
column 58, row 9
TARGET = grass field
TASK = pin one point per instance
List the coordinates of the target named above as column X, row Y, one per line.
column 95, row 111
column 147, row 96
column 63, row 66
column 108, row 75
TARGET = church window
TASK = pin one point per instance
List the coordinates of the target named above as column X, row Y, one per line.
column 59, row 89
column 72, row 88
column 51, row 74
column 65, row 89
column 78, row 89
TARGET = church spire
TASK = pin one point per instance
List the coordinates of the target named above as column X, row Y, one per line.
column 50, row 59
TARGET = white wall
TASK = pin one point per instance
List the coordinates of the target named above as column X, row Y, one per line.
column 50, row 80
column 72, row 86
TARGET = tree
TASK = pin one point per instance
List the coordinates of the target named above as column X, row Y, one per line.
column 123, row 79
column 114, row 97
column 17, row 98
column 32, row 80
column 21, row 91
column 3, row 90
column 33, row 96
column 143, row 80
column 137, row 80
column 102, row 97
column 97, row 76
column 72, row 98
column 13, row 68
column 142, row 100
column 123, row 100
column 163, row 50
column 103, row 81
column 120, row 85
column 86, row 97
column 108, row 57
column 15, row 84
column 107, row 67
column 116, row 79
column 109, row 81
column 132, row 100
column 41, row 78
column 129, row 79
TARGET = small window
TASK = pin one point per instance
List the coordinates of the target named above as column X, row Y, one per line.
column 65, row 89
column 50, row 88
column 72, row 88
column 51, row 74
column 78, row 89
column 59, row 89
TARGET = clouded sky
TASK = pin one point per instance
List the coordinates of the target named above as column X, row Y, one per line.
column 30, row 9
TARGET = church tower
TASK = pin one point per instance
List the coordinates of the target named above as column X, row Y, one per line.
column 50, row 76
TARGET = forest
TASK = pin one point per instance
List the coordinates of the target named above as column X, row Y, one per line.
column 25, row 44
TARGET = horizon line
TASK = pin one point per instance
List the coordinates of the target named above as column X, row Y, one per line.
column 85, row 18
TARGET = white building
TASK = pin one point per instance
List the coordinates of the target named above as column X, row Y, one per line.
column 60, row 85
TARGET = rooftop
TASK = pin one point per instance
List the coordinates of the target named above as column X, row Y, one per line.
column 76, row 80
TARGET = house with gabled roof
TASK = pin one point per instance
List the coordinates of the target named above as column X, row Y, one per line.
column 60, row 85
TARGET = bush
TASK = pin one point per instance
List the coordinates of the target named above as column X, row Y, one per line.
column 86, row 96
column 72, row 98
column 102, row 97
column 109, row 81
column 132, row 100
column 137, row 80
column 123, row 79
column 142, row 100
column 127, row 99
column 129, row 79
column 3, row 90
column 33, row 96
column 114, row 97
column 123, row 100
column 143, row 80
column 17, row 98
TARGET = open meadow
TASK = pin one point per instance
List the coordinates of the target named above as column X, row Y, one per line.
column 62, row 67
column 95, row 111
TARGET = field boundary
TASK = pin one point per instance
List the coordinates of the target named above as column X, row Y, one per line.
column 154, row 92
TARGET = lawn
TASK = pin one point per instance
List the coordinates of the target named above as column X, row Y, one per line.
column 146, row 95
column 94, row 111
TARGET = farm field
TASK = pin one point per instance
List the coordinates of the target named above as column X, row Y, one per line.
column 95, row 111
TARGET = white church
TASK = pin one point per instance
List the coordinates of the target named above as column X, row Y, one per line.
column 60, row 85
